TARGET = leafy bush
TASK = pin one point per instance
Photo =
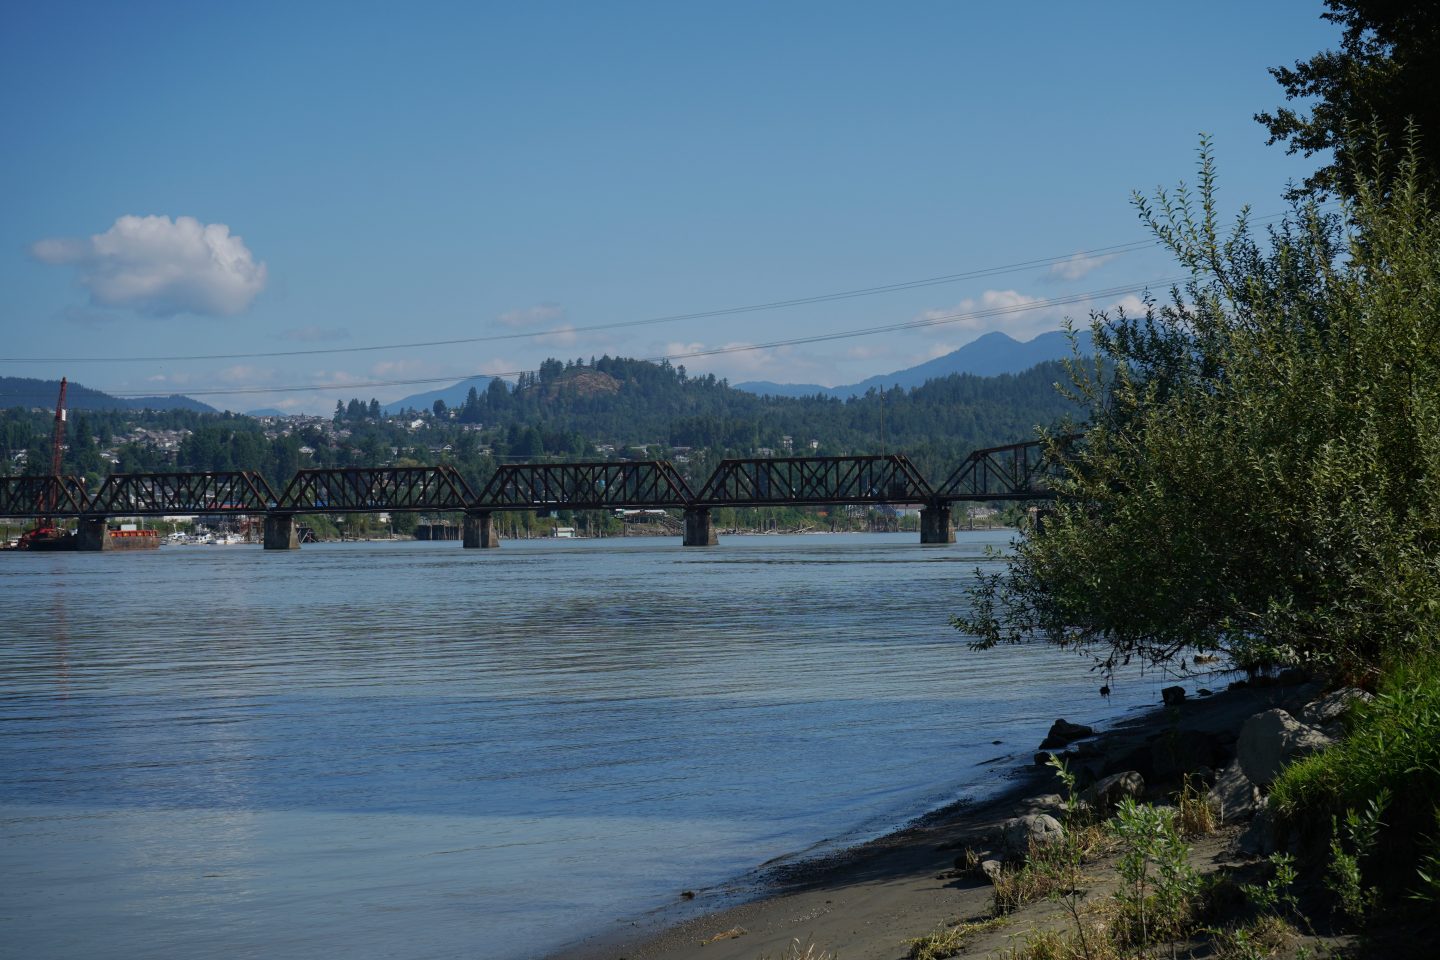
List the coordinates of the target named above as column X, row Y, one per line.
column 1377, row 789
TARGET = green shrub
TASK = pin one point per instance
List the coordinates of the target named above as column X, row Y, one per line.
column 1390, row 760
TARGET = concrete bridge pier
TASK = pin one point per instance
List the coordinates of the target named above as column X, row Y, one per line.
column 479, row 532
column 936, row 524
column 280, row 533
column 699, row 529
column 93, row 533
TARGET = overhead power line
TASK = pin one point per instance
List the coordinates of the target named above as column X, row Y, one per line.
column 1114, row 250
column 1071, row 299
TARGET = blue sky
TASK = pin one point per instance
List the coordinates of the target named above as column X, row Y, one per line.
column 185, row 179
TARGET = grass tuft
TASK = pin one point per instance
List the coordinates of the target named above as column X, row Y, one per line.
column 950, row 941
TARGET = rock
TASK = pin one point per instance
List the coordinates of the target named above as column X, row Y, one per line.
column 1040, row 829
column 1204, row 775
column 1182, row 751
column 1106, row 793
column 1063, row 733
column 1291, row 676
column 1043, row 758
column 1235, row 795
column 1202, row 692
column 992, row 869
column 1258, row 839
column 1238, row 685
column 1044, row 802
column 1173, row 696
column 1132, row 756
column 1271, row 739
column 1332, row 706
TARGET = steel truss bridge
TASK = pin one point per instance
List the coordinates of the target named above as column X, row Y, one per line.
column 1019, row 471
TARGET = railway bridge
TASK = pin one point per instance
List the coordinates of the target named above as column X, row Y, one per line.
column 1019, row 471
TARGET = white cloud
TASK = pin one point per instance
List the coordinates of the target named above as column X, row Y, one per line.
column 784, row 364
column 162, row 267
column 1009, row 310
column 1077, row 266
column 532, row 316
column 246, row 374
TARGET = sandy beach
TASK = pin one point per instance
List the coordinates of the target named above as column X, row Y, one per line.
column 866, row 903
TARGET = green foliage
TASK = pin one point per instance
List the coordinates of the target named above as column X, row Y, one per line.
column 1390, row 763
column 1384, row 78
column 1276, row 896
column 1260, row 473
column 1158, row 885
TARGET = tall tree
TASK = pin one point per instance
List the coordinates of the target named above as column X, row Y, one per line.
column 1384, row 78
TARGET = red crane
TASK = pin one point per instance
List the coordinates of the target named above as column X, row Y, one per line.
column 45, row 533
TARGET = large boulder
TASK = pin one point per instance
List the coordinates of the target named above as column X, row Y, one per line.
column 1041, row 829
column 1063, row 733
column 1270, row 740
column 1235, row 795
column 1327, row 711
column 1104, row 794
column 1173, row 696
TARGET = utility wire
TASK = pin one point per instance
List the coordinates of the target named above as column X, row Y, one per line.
column 716, row 351
column 1114, row 250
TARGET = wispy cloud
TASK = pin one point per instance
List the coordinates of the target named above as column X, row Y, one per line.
column 534, row 316
column 1077, row 266
column 158, row 266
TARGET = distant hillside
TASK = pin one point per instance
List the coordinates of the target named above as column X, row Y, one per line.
column 453, row 396
column 987, row 356
column 565, row 410
column 26, row 392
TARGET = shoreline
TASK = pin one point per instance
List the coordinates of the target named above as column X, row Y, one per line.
column 865, row 901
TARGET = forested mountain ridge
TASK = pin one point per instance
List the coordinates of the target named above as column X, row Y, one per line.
column 30, row 392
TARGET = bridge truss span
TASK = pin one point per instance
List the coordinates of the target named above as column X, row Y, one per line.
column 181, row 494
column 758, row 482
column 42, row 496
column 1016, row 471
column 596, row 485
column 371, row 489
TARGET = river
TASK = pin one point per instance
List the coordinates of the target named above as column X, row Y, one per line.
column 410, row 750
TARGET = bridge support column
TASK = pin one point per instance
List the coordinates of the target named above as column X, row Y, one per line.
column 93, row 533
column 699, row 530
column 480, row 533
column 936, row 525
column 280, row 532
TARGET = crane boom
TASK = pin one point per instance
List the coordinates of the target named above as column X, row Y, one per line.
column 59, row 440
column 45, row 532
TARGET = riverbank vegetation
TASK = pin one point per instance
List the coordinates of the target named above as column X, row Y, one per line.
column 1259, row 478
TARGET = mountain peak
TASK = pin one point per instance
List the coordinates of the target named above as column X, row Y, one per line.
column 988, row 355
